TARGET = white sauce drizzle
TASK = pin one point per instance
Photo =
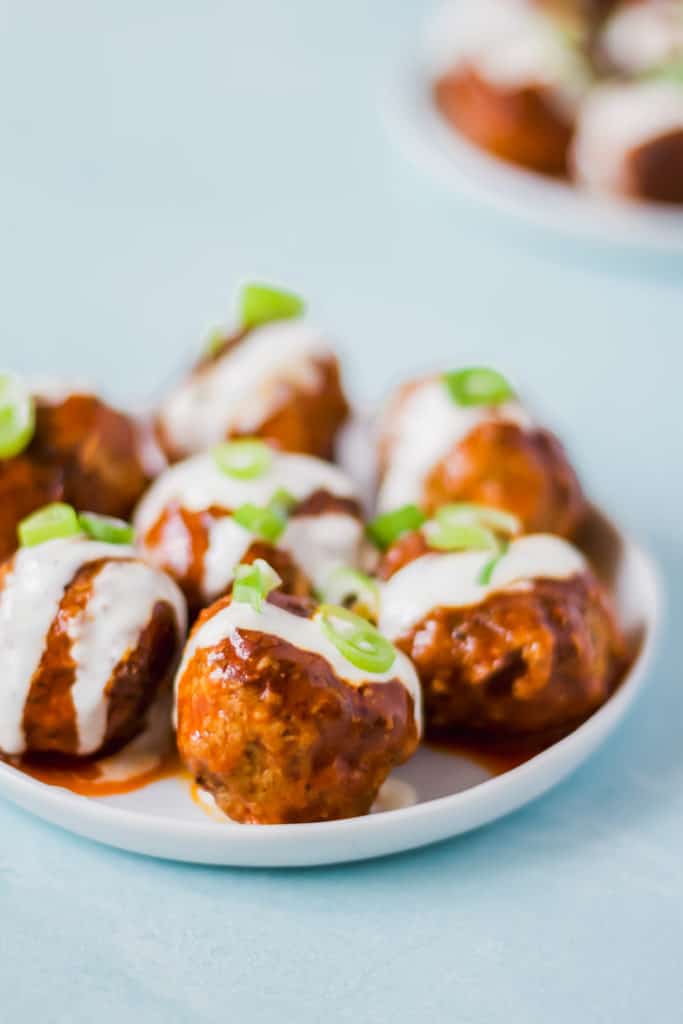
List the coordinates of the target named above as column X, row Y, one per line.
column 243, row 388
column 512, row 45
column 452, row 580
column 643, row 35
column 318, row 543
column 423, row 429
column 307, row 635
column 29, row 601
column 615, row 120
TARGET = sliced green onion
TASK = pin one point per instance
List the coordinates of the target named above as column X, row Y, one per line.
column 282, row 502
column 245, row 459
column 356, row 639
column 264, row 522
column 460, row 538
column 672, row 71
column 106, row 528
column 345, row 584
column 465, row 513
column 388, row 527
column 478, row 385
column 488, row 570
column 254, row 582
column 259, row 304
column 49, row 523
column 17, row 416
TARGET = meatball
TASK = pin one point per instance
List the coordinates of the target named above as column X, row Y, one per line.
column 83, row 452
column 629, row 140
column 190, row 524
column 534, row 650
column 510, row 81
column 434, row 451
column 89, row 636
column 278, row 725
column 278, row 381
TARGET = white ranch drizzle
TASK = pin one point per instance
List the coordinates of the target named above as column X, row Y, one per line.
column 452, row 580
column 305, row 634
column 423, row 429
column 243, row 388
column 512, row 45
column 29, row 602
column 639, row 36
column 318, row 543
column 615, row 120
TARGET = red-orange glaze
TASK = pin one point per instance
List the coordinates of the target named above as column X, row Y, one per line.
column 84, row 776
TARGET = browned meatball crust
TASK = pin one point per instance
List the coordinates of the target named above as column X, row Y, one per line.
column 655, row 170
column 522, row 471
column 277, row 737
column 523, row 661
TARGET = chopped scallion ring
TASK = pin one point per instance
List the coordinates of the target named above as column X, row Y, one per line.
column 264, row 522
column 460, row 538
column 345, row 584
column 488, row 570
column 260, row 304
column 245, row 459
column 466, row 513
column 388, row 527
column 356, row 639
column 254, row 582
column 282, row 502
column 49, row 523
column 17, row 416
column 106, row 528
column 672, row 71
column 478, row 385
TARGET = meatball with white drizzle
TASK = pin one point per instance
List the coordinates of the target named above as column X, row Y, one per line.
column 291, row 712
column 508, row 640
column 464, row 436
column 243, row 501
column 275, row 377
column 89, row 634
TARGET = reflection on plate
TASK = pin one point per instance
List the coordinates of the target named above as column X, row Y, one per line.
column 438, row 794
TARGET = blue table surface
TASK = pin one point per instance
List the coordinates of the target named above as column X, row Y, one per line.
column 152, row 155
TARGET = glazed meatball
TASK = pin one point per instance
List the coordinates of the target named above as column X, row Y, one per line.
column 510, row 80
column 434, row 451
column 279, row 381
column 278, row 725
column 89, row 636
column 528, row 648
column 83, row 452
column 192, row 522
column 629, row 140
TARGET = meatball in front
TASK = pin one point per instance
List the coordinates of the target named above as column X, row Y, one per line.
column 289, row 712
column 89, row 636
column 516, row 642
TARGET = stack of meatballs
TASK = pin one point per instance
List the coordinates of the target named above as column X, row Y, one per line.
column 322, row 646
column 586, row 89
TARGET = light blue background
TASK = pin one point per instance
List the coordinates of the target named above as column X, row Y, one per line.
column 151, row 155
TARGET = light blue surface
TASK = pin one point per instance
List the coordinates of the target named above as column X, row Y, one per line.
column 152, row 154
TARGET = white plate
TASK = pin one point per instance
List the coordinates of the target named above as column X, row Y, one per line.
column 452, row 795
column 428, row 138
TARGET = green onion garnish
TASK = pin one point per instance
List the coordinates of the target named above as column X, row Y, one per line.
column 466, row 513
column 388, row 527
column 17, row 416
column 460, row 538
column 264, row 522
column 672, row 71
column 282, row 502
column 214, row 342
column 106, row 528
column 245, row 459
column 254, row 582
column 487, row 572
column 356, row 639
column 49, row 523
column 259, row 304
column 345, row 584
column 478, row 385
